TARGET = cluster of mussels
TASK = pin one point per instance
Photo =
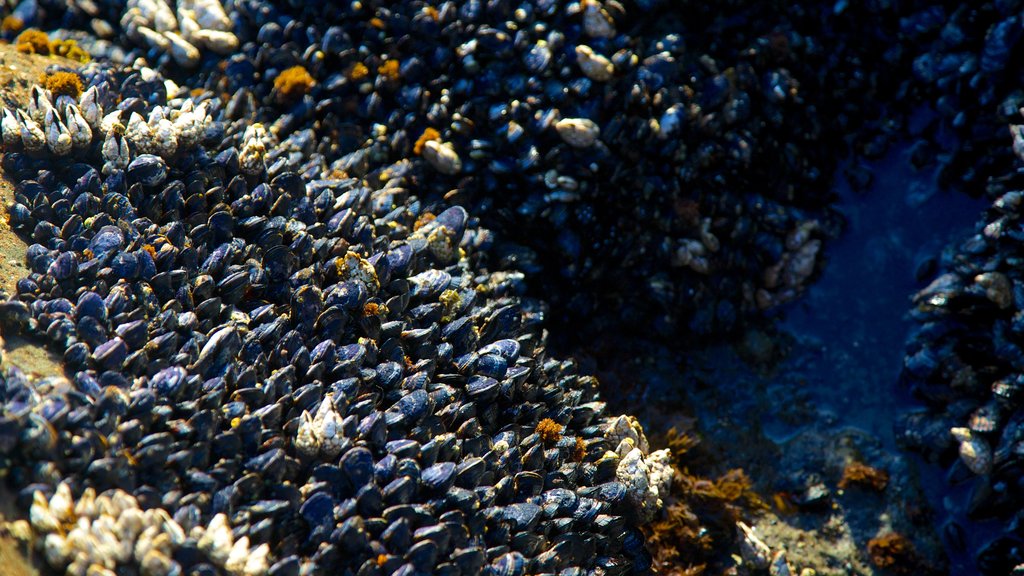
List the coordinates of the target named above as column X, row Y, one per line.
column 271, row 373
column 965, row 360
column 621, row 168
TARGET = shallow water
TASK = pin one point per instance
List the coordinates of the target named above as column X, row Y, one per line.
column 823, row 388
column 852, row 324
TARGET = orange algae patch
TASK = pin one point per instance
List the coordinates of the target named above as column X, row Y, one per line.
column 357, row 71
column 698, row 521
column 389, row 69
column 549, row 431
column 374, row 309
column 579, row 451
column 63, row 84
column 423, row 220
column 428, row 135
column 33, row 41
column 295, row 82
column 70, row 50
column 893, row 552
column 11, row 23
column 864, row 475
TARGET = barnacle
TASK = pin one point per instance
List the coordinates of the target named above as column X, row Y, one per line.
column 63, row 84
column 33, row 41
column 860, row 474
column 293, row 83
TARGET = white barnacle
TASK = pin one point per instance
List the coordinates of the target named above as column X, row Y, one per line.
column 156, row 563
column 975, row 452
column 257, row 564
column 217, row 539
column 153, row 38
column 10, row 129
column 578, row 132
column 235, row 563
column 156, row 13
column 210, row 14
column 78, row 127
column 115, row 152
column 144, row 543
column 130, row 524
column 251, row 157
column 223, row 43
column 58, row 139
column 187, row 24
column 327, row 425
column 175, row 533
column 595, row 66
column 442, row 156
column 89, row 103
column 110, row 120
column 183, row 52
column 138, row 132
column 38, row 103
column 165, row 138
column 306, row 438
column 43, row 520
column 185, row 125
column 63, row 101
column 62, row 503
column 56, row 550
column 32, row 136
column 86, row 505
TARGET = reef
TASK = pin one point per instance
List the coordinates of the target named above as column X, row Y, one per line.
column 300, row 262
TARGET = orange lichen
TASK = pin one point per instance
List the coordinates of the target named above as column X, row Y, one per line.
column 579, row 450
column 63, row 84
column 293, row 83
column 33, row 41
column 87, row 253
column 549, row 431
column 389, row 69
column 381, row 559
column 428, row 135
column 11, row 23
column 423, row 220
column 894, row 552
column 432, row 12
column 864, row 475
column 70, row 50
column 377, row 23
column 150, row 249
column 374, row 309
column 357, row 71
